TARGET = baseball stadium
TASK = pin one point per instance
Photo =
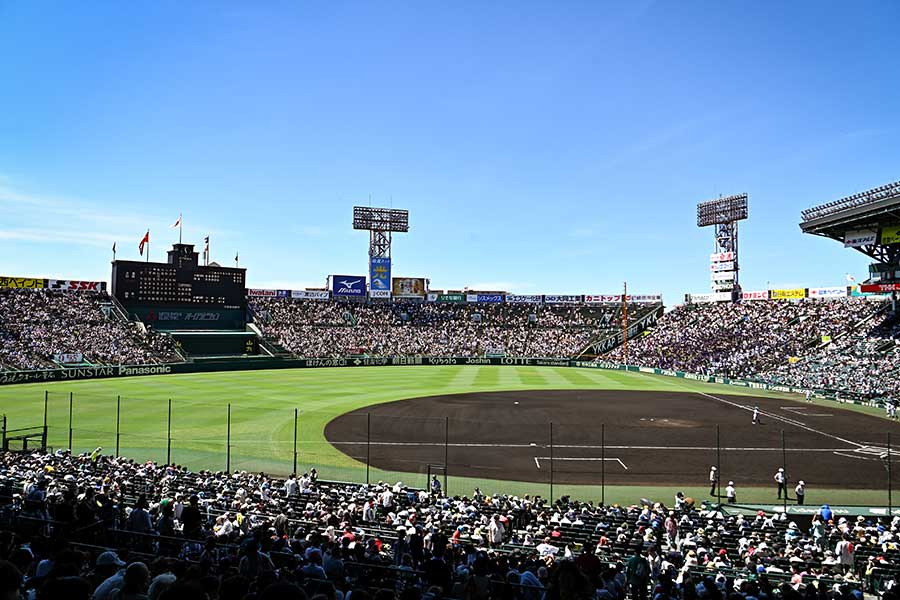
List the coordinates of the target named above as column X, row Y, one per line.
column 188, row 425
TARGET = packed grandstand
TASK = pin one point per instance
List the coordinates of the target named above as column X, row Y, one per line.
column 95, row 526
column 831, row 345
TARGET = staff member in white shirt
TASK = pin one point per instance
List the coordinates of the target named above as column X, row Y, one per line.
column 800, row 490
column 731, row 493
column 779, row 479
column 713, row 480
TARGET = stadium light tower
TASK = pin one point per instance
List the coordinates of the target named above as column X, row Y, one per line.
column 724, row 213
column 380, row 223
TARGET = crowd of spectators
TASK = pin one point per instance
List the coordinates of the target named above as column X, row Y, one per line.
column 36, row 324
column 748, row 339
column 110, row 528
column 330, row 329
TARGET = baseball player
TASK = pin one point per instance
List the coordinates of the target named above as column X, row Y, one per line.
column 809, row 395
column 731, row 493
column 800, row 490
column 780, row 480
column 713, row 480
column 755, row 415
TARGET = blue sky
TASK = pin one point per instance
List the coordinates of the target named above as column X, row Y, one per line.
column 556, row 147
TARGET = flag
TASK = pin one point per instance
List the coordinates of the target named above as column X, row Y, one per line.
column 114, row 247
column 144, row 240
column 235, row 257
column 177, row 223
column 851, row 278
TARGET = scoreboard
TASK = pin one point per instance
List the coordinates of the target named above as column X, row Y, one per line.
column 179, row 289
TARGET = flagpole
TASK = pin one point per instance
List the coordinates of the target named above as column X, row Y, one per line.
column 114, row 251
column 180, row 226
column 148, row 244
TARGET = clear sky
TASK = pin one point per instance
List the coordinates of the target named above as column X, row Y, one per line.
column 554, row 147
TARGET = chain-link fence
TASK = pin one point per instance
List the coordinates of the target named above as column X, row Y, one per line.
column 499, row 453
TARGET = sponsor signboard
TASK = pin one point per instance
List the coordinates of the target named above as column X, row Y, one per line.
column 409, row 287
column 890, row 235
column 71, row 285
column 828, row 292
column 262, row 293
column 645, row 298
column 720, row 286
column 431, row 297
column 471, row 297
column 490, row 298
column 524, row 299
column 721, row 275
column 70, row 358
column 879, row 288
column 721, row 256
column 713, row 297
column 380, row 275
column 450, row 298
column 722, row 266
column 757, row 295
column 792, row 294
column 282, row 293
column 348, row 286
column 379, row 293
column 562, row 299
column 860, row 237
column 22, row 283
column 310, row 294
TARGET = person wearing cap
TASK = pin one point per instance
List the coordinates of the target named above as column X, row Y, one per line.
column 713, row 480
column 800, row 490
column 731, row 493
column 780, row 480
column 755, row 420
column 109, row 565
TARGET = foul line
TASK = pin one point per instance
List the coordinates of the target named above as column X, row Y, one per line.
column 782, row 419
column 576, row 458
column 588, row 446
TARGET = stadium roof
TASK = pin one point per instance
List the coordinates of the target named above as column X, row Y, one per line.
column 871, row 208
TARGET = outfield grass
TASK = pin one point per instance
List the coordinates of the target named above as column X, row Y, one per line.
column 262, row 418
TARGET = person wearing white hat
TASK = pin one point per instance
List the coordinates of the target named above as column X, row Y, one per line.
column 800, row 490
column 755, row 420
column 713, row 480
column 731, row 493
column 780, row 480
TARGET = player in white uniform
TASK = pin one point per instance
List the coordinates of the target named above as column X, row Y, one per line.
column 755, row 415
column 809, row 395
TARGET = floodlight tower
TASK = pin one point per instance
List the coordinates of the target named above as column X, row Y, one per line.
column 380, row 223
column 724, row 213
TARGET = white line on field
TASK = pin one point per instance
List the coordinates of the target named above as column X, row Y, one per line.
column 581, row 458
column 586, row 446
column 537, row 463
column 782, row 419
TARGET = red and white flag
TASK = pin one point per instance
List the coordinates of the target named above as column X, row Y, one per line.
column 144, row 240
column 177, row 223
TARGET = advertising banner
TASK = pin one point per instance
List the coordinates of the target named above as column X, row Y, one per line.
column 861, row 237
column 409, row 286
column 890, row 235
column 282, row 293
column 758, row 295
column 722, row 266
column 379, row 293
column 431, row 297
column 71, row 285
column 380, row 275
column 348, row 286
column 595, row 299
column 456, row 298
column 713, row 297
column 22, row 283
column 828, row 292
column 721, row 275
column 310, row 294
column 561, row 299
column 524, row 299
column 792, row 294
column 262, row 293
column 71, row 358
column 879, row 288
column 721, row 286
column 721, row 256
column 491, row 298
column 471, row 297
column 645, row 298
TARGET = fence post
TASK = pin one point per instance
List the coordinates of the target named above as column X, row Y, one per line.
column 603, row 464
column 46, row 396
column 551, row 464
column 228, row 442
column 368, row 444
column 295, row 441
column 4, row 446
column 169, row 436
column 890, row 477
column 784, row 466
column 118, row 417
column 446, row 453
column 718, row 467
column 71, row 401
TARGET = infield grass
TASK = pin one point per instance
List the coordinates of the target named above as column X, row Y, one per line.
column 262, row 419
